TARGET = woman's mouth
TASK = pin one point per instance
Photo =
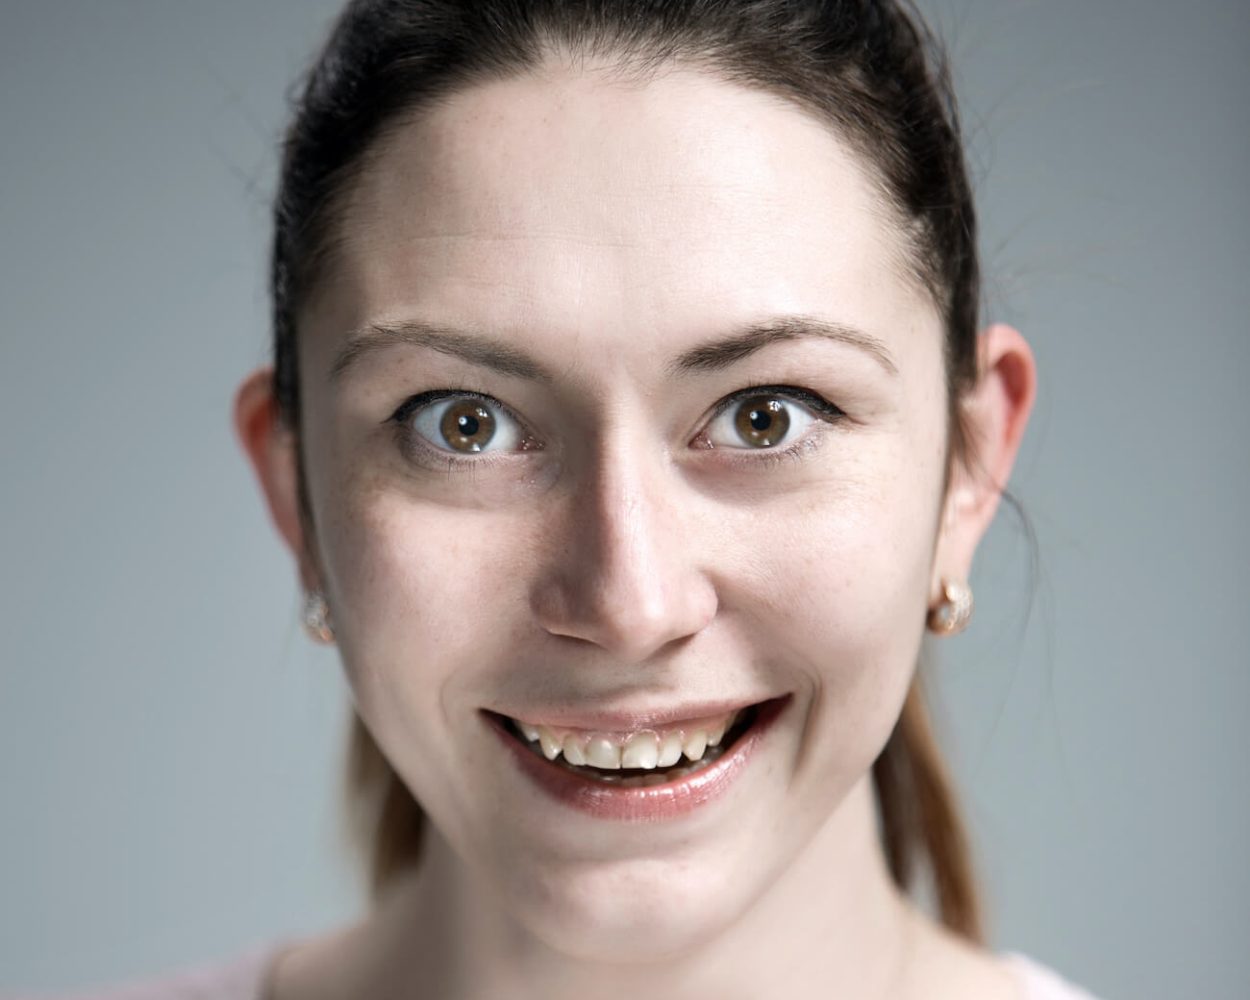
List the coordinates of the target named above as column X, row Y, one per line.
column 639, row 758
column 647, row 771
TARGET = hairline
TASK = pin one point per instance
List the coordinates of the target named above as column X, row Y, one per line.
column 630, row 67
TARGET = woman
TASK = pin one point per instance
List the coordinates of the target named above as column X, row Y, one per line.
column 630, row 424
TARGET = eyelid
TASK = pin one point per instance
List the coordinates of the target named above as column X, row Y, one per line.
column 405, row 416
column 421, row 400
column 810, row 407
column 806, row 397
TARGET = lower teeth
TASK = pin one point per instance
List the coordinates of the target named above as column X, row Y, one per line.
column 631, row 778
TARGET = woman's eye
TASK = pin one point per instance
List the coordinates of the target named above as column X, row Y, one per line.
column 462, row 424
column 765, row 419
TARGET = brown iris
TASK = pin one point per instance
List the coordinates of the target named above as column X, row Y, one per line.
column 761, row 421
column 467, row 426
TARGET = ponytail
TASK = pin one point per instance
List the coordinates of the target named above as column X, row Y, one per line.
column 920, row 823
column 385, row 824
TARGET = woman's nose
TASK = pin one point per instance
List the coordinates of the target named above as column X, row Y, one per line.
column 626, row 572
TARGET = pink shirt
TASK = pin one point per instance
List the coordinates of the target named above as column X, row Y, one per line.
column 241, row 979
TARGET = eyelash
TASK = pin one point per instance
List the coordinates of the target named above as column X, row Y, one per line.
column 416, row 445
column 421, row 400
column 820, row 407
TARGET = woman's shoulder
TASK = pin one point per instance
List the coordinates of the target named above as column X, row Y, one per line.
column 1042, row 983
column 243, row 978
column 240, row 978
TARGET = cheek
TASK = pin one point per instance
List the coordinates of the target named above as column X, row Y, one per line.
column 851, row 557
column 425, row 593
column 848, row 584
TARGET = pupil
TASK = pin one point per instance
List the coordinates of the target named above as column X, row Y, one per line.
column 467, row 427
column 762, row 422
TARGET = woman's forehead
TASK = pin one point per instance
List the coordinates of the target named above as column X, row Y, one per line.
column 570, row 199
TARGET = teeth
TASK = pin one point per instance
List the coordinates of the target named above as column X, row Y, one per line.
column 602, row 752
column 695, row 744
column 573, row 750
column 551, row 746
column 670, row 750
column 642, row 750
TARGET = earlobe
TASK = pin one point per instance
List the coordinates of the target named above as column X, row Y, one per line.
column 271, row 448
column 996, row 413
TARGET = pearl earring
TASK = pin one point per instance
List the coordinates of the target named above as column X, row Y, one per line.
column 317, row 618
column 953, row 611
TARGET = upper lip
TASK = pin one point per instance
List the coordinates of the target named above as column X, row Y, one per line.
column 627, row 719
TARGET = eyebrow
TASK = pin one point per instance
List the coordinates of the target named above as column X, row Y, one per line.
column 500, row 356
column 717, row 355
column 475, row 348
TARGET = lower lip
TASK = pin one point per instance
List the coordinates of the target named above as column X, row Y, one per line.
column 646, row 804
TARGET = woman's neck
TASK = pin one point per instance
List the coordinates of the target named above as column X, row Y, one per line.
column 832, row 925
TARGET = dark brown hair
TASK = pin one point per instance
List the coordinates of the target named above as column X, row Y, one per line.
column 866, row 67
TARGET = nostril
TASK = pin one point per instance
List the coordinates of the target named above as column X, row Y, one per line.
column 635, row 624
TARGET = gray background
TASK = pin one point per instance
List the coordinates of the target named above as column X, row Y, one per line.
column 169, row 742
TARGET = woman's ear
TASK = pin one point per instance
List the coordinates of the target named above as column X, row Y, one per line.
column 995, row 413
column 271, row 447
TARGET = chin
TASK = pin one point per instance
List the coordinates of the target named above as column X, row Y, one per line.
column 638, row 911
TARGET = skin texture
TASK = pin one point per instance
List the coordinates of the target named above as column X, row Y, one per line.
column 625, row 549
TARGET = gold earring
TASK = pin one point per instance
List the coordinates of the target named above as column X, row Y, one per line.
column 953, row 611
column 317, row 618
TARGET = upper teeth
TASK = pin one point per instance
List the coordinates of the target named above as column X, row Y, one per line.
column 647, row 748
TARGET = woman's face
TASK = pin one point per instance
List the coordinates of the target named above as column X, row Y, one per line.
column 623, row 412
